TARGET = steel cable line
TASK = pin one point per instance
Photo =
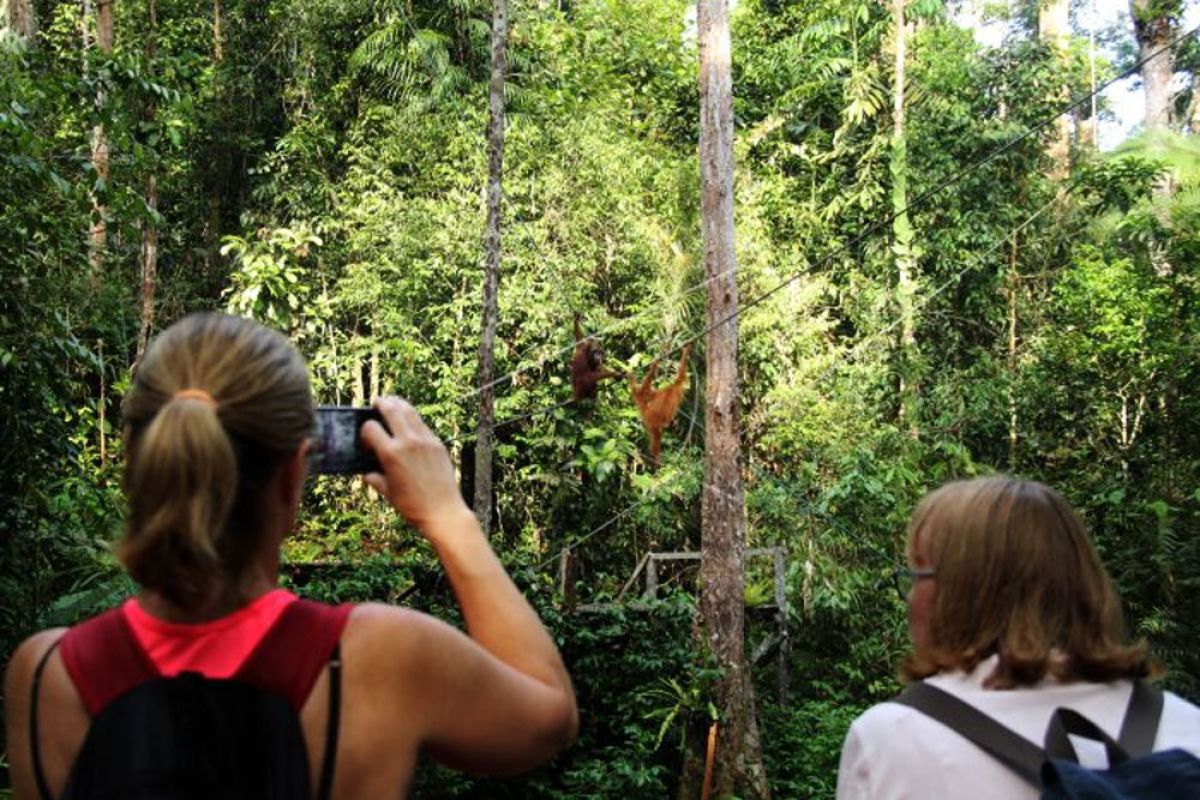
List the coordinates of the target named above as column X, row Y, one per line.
column 913, row 205
column 870, row 231
column 618, row 325
column 948, row 183
column 850, row 355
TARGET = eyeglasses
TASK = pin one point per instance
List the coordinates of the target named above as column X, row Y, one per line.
column 904, row 578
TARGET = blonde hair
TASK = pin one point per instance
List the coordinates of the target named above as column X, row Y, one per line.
column 194, row 471
column 1016, row 575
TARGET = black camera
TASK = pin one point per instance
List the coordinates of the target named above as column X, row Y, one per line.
column 337, row 447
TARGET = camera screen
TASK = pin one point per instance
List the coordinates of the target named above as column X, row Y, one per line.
column 337, row 449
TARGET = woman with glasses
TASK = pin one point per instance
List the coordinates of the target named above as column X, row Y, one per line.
column 1011, row 614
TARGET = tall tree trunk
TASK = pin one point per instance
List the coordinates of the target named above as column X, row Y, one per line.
column 99, row 232
column 1089, row 136
column 1012, row 286
column 902, row 232
column 102, row 404
column 1153, row 26
column 21, row 19
column 1054, row 30
column 150, row 225
column 491, row 276
column 218, row 33
column 738, row 760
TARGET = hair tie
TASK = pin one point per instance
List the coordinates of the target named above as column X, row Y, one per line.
column 196, row 394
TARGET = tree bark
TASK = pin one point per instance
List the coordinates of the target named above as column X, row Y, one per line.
column 491, row 275
column 738, row 764
column 21, row 19
column 149, row 260
column 218, row 34
column 1054, row 30
column 902, row 232
column 1153, row 27
column 1089, row 135
column 99, row 232
column 1012, row 288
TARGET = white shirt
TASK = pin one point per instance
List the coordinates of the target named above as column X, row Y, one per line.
column 893, row 752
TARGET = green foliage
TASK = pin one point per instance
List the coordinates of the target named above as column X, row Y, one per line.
column 320, row 167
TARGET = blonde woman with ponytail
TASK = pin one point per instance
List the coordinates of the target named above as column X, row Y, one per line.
column 217, row 427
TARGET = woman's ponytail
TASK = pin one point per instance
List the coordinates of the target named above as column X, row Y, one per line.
column 217, row 406
column 181, row 480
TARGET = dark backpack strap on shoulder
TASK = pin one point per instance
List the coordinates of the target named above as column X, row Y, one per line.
column 1014, row 751
column 332, row 724
column 1140, row 726
column 290, row 658
column 104, row 659
column 1067, row 722
column 35, row 749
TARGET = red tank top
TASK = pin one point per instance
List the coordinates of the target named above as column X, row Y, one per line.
column 279, row 643
column 215, row 649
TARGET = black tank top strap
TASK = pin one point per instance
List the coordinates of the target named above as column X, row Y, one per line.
column 333, row 722
column 35, row 750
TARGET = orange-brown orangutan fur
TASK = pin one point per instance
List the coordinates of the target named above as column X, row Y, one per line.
column 587, row 366
column 658, row 407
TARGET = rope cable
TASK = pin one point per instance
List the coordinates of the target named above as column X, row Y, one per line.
column 852, row 353
column 913, row 205
column 919, row 201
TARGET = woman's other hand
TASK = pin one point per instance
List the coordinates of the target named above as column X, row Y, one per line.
column 418, row 478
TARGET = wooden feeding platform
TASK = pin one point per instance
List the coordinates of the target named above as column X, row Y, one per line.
column 651, row 567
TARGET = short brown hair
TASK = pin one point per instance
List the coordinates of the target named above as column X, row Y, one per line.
column 1016, row 575
column 194, row 471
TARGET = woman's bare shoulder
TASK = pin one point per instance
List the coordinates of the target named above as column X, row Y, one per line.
column 372, row 618
column 25, row 658
column 398, row 635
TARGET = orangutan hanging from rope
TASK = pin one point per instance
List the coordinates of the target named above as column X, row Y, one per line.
column 658, row 407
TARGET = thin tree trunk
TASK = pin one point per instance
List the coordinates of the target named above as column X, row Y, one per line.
column 150, row 225
column 100, row 151
column 1090, row 137
column 1055, row 32
column 738, row 764
column 21, row 19
column 102, row 411
column 213, row 225
column 149, row 271
column 85, row 35
column 491, row 277
column 218, row 33
column 902, row 231
column 1152, row 26
column 1013, row 279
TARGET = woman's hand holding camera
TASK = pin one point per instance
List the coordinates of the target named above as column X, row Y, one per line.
column 418, row 478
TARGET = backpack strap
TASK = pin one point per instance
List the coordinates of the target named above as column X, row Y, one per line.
column 1011, row 749
column 290, row 658
column 104, row 659
column 35, row 748
column 332, row 724
column 1138, row 729
column 1140, row 726
column 1066, row 721
column 292, row 655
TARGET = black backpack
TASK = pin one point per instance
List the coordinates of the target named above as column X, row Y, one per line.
column 189, row 737
column 1133, row 772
